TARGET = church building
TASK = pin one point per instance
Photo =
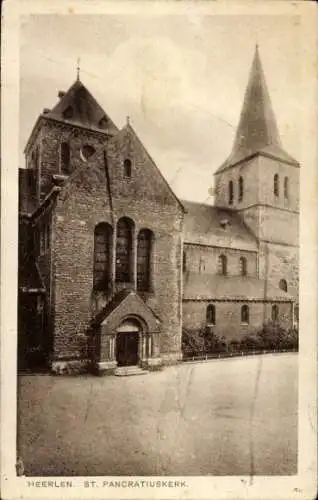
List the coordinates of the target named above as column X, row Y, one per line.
column 113, row 266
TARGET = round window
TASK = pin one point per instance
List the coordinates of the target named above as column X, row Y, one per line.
column 87, row 152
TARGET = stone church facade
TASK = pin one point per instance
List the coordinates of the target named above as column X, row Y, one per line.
column 112, row 265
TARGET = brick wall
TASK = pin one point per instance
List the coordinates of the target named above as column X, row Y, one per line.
column 83, row 203
column 228, row 317
column 281, row 262
column 51, row 135
column 204, row 259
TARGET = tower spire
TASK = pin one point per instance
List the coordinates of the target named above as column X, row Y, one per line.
column 257, row 130
column 257, row 126
column 78, row 69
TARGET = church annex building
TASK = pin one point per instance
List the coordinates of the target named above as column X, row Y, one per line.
column 112, row 265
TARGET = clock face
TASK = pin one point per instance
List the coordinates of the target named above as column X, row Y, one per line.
column 86, row 152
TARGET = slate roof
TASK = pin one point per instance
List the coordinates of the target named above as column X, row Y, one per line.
column 78, row 106
column 215, row 287
column 30, row 280
column 202, row 225
column 257, row 130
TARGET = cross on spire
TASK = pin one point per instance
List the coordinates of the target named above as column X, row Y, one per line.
column 78, row 69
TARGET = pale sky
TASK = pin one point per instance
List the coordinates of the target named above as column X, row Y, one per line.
column 180, row 78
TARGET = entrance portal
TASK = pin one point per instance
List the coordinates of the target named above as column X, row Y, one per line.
column 127, row 348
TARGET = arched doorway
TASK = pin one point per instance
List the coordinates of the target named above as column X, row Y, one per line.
column 127, row 343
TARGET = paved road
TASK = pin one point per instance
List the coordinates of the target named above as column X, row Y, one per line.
column 223, row 417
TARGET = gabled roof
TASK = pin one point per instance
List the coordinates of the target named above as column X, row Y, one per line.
column 257, row 131
column 213, row 226
column 128, row 129
column 216, row 287
column 116, row 310
column 78, row 106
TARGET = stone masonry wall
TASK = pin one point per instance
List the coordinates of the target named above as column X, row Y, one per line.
column 281, row 262
column 228, row 317
column 204, row 259
column 83, row 203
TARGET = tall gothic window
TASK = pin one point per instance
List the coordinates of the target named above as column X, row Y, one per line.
column 245, row 314
column 231, row 192
column 276, row 185
column 144, row 260
column 102, row 255
column 283, row 285
column 286, row 188
column 210, row 314
column 65, row 158
column 222, row 265
column 243, row 266
column 275, row 312
column 124, row 250
column 241, row 188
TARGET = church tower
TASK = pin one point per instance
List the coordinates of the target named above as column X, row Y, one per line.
column 260, row 181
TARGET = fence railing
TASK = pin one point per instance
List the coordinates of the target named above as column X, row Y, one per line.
column 204, row 356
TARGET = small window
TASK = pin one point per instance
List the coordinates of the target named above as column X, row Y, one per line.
column 241, row 188
column 231, row 192
column 283, row 285
column 222, row 265
column 210, row 314
column 65, row 158
column 68, row 113
column 127, row 167
column 286, row 188
column 103, row 122
column 243, row 266
column 275, row 312
column 276, row 185
column 245, row 314
column 87, row 152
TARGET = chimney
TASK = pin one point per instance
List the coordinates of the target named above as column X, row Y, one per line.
column 46, row 111
column 61, row 94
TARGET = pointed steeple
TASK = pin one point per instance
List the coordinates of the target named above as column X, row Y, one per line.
column 257, row 130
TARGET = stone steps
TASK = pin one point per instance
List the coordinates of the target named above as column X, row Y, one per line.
column 126, row 371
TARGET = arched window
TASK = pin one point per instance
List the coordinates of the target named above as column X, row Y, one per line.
column 283, row 285
column 231, row 192
column 210, row 314
column 184, row 261
column 276, row 185
column 127, row 167
column 102, row 255
column 124, row 250
column 286, row 188
column 144, row 260
column 222, row 265
column 241, row 188
column 65, row 158
column 275, row 312
column 243, row 266
column 245, row 314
